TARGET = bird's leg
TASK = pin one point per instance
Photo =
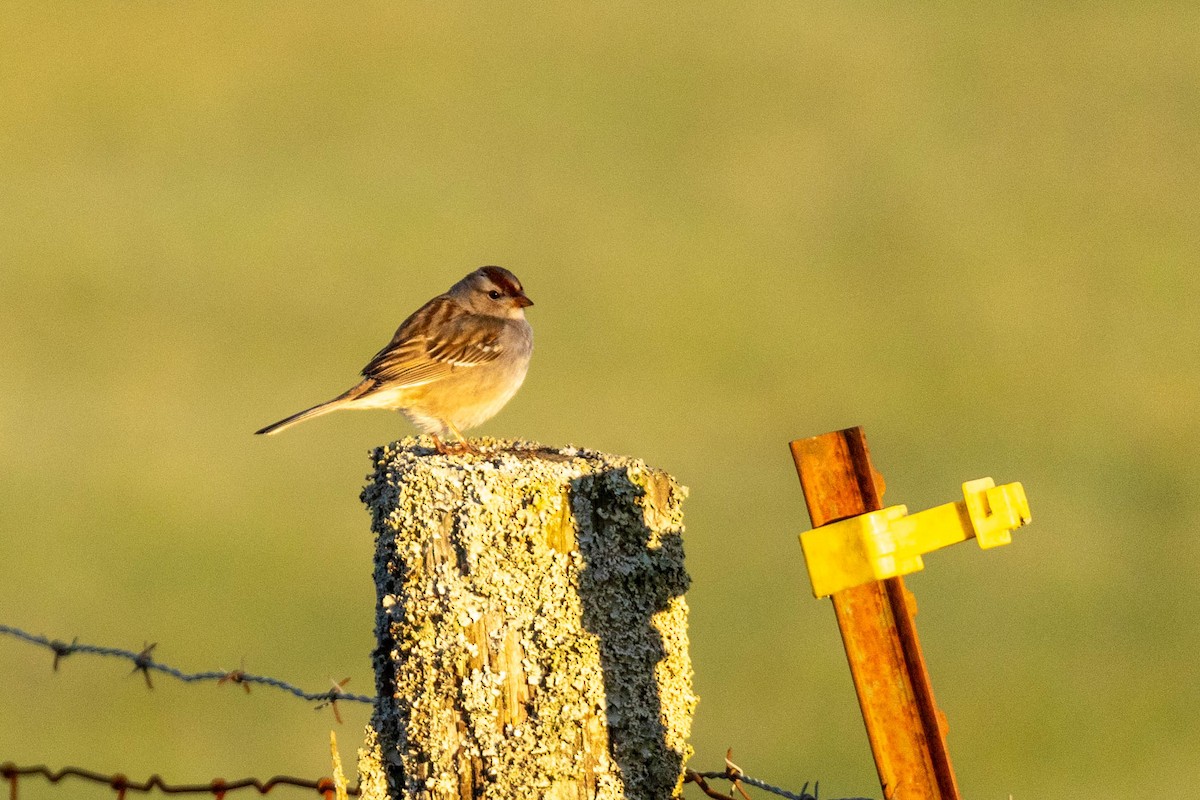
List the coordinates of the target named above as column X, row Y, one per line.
column 464, row 445
column 449, row 449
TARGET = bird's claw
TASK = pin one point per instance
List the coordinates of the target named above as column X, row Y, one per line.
column 454, row 448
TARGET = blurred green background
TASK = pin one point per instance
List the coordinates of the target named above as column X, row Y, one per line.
column 970, row 229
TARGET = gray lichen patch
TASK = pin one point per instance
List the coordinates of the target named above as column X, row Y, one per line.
column 531, row 623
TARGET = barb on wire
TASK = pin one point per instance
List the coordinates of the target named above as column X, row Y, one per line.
column 338, row 690
column 121, row 784
column 144, row 663
column 733, row 773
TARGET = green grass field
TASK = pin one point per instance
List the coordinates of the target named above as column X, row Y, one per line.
column 971, row 230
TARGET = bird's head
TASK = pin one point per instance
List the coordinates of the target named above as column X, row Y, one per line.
column 492, row 291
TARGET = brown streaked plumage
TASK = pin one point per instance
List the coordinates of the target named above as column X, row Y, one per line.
column 451, row 365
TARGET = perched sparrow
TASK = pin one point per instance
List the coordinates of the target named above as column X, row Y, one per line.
column 452, row 365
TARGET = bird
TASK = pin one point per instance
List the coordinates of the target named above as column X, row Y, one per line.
column 450, row 366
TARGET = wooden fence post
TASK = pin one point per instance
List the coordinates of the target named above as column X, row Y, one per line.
column 904, row 726
column 531, row 626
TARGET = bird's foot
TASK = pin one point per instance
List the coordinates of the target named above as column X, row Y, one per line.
column 454, row 448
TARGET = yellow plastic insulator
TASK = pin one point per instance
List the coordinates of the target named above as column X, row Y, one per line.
column 886, row 543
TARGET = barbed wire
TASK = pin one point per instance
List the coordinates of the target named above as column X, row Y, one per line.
column 325, row 786
column 144, row 663
column 121, row 784
column 733, row 773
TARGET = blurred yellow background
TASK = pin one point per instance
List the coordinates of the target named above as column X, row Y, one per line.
column 972, row 230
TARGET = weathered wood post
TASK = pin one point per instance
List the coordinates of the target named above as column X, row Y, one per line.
column 531, row 625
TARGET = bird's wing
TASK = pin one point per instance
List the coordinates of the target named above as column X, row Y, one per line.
column 436, row 340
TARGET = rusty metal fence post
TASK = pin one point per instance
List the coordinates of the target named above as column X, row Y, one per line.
column 904, row 726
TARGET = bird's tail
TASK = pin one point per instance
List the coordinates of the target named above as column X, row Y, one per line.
column 341, row 401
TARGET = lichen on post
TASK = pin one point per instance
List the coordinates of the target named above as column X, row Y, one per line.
column 531, row 625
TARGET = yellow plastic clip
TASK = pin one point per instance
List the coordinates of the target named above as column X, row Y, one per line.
column 886, row 543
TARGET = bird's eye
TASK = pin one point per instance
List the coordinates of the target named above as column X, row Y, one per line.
column 494, row 294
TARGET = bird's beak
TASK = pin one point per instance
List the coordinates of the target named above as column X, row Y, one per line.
column 522, row 301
